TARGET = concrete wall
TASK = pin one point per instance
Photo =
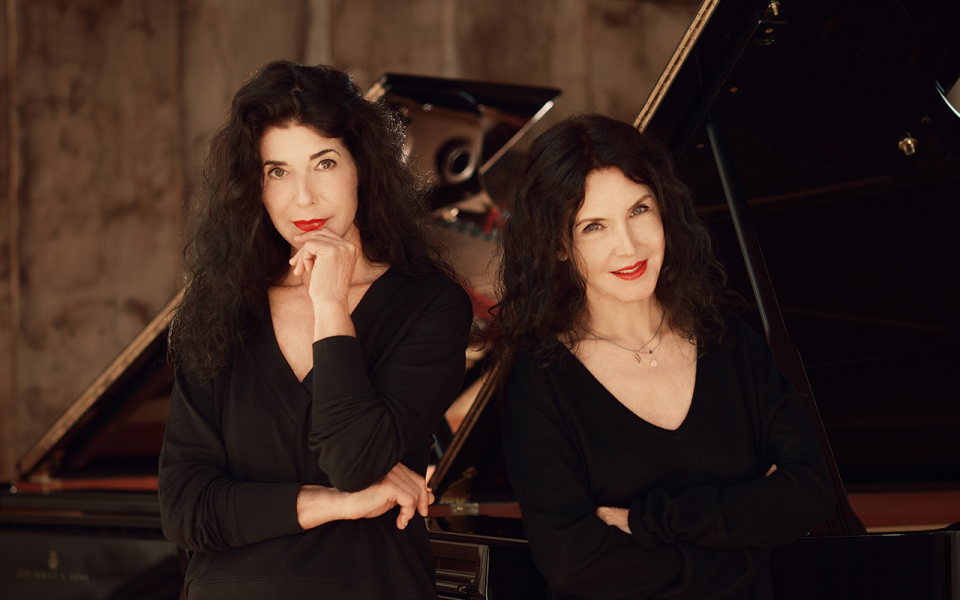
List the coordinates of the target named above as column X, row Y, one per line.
column 8, row 344
column 107, row 105
column 98, row 107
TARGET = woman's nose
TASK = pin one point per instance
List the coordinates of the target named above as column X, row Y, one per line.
column 305, row 193
column 626, row 241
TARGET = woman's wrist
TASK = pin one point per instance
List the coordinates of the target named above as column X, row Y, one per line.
column 317, row 505
column 331, row 318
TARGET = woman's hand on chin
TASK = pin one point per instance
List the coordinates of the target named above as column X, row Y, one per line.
column 330, row 260
column 615, row 517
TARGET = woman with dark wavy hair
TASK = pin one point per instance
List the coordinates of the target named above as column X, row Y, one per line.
column 654, row 447
column 320, row 339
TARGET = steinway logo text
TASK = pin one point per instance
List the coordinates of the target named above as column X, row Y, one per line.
column 53, row 561
column 57, row 576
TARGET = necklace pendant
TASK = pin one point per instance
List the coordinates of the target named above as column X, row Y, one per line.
column 653, row 362
column 636, row 357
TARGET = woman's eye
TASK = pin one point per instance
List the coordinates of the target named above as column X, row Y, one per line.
column 326, row 163
column 276, row 172
column 638, row 210
column 591, row 227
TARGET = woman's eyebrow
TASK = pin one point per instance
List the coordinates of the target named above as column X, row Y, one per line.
column 588, row 219
column 640, row 200
column 322, row 152
column 279, row 163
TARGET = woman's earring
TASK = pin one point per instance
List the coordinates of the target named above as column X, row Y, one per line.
column 561, row 256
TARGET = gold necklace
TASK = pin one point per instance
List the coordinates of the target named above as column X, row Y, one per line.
column 638, row 352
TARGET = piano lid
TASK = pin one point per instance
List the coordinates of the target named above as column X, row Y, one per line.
column 847, row 156
column 457, row 129
column 504, row 111
column 118, row 421
column 819, row 97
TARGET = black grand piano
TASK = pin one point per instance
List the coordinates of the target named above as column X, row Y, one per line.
column 827, row 163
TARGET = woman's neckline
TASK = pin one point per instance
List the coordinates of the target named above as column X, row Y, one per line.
column 611, row 397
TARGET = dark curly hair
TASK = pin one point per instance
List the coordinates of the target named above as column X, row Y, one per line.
column 542, row 297
column 233, row 253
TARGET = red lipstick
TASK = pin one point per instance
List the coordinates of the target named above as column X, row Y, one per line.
column 311, row 225
column 629, row 273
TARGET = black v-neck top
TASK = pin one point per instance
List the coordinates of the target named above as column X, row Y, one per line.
column 702, row 514
column 237, row 450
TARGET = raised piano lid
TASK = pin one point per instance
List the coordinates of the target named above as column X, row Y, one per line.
column 819, row 102
column 110, row 436
column 458, row 129
column 504, row 111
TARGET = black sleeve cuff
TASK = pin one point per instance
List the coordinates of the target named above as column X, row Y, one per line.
column 266, row 510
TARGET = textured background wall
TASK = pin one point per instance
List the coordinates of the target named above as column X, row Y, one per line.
column 108, row 104
column 98, row 117
column 7, row 216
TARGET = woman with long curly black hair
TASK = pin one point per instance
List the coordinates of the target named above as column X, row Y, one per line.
column 320, row 339
column 654, row 447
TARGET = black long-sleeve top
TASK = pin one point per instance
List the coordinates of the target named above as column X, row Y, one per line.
column 702, row 514
column 237, row 450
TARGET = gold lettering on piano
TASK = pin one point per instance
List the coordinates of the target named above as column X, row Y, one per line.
column 53, row 576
